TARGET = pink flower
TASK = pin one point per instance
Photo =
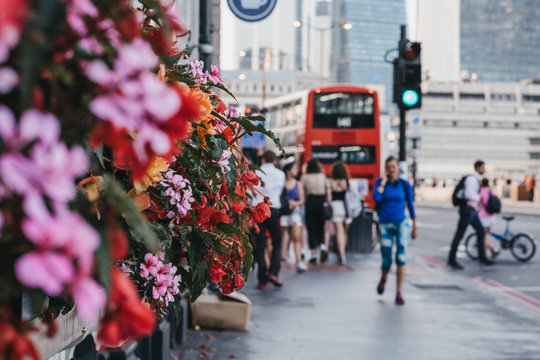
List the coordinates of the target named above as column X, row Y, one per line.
column 89, row 298
column 196, row 69
column 223, row 162
column 231, row 112
column 8, row 79
column 149, row 266
column 214, row 75
column 174, row 16
column 46, row 270
column 9, row 37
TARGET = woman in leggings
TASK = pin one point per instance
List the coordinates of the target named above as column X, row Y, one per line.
column 315, row 188
column 391, row 194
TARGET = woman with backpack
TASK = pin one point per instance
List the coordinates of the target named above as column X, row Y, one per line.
column 339, row 184
column 486, row 218
column 291, row 224
column 391, row 194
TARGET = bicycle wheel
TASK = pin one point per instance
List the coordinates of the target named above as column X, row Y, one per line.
column 522, row 247
column 471, row 246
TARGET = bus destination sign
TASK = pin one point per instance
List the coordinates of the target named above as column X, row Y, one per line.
column 349, row 154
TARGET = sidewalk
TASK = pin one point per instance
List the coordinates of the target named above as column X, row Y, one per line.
column 335, row 313
column 509, row 207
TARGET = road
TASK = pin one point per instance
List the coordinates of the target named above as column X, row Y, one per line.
column 481, row 313
column 436, row 228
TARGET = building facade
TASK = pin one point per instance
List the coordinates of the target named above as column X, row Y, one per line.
column 463, row 122
column 500, row 39
column 358, row 54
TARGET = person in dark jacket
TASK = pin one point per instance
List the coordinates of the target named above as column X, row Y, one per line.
column 391, row 194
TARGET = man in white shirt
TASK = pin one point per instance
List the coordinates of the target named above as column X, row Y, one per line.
column 468, row 215
column 272, row 184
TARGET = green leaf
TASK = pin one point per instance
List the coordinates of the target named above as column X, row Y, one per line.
column 99, row 154
column 197, row 265
column 139, row 228
column 38, row 36
column 178, row 309
column 104, row 260
column 247, row 123
column 248, row 258
column 222, row 87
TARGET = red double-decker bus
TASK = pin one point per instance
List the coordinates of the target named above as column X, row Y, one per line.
column 333, row 123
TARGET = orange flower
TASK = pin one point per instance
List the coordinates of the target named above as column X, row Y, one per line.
column 91, row 186
column 153, row 174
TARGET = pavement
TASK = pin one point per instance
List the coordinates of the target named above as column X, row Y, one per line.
column 510, row 207
column 335, row 312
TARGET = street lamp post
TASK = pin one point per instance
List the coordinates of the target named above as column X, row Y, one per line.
column 345, row 25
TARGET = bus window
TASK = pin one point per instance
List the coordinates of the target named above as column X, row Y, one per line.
column 344, row 110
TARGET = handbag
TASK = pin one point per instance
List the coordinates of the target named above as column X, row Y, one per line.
column 327, row 210
column 327, row 206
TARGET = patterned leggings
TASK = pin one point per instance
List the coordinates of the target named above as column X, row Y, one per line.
column 401, row 231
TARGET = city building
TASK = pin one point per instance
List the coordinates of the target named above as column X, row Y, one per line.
column 358, row 55
column 436, row 25
column 500, row 39
column 459, row 123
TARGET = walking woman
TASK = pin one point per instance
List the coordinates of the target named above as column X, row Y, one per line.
column 339, row 183
column 291, row 224
column 315, row 188
column 391, row 194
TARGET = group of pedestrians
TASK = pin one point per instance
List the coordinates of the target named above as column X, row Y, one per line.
column 313, row 200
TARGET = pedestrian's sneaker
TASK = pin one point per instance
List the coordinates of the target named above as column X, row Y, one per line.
column 302, row 267
column 399, row 299
column 261, row 286
column 455, row 265
column 342, row 262
column 324, row 254
column 380, row 287
column 274, row 280
column 313, row 260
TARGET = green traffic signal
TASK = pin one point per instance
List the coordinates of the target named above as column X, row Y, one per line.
column 410, row 98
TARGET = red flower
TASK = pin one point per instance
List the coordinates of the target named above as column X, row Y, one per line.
column 215, row 273
column 223, row 191
column 250, row 178
column 261, row 212
column 126, row 316
column 14, row 345
column 237, row 207
column 238, row 281
column 209, row 218
column 227, row 286
column 221, row 107
column 118, row 242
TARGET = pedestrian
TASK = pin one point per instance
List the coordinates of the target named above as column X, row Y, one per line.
column 292, row 224
column 339, row 184
column 468, row 215
column 272, row 184
column 487, row 219
column 315, row 188
column 531, row 184
column 391, row 194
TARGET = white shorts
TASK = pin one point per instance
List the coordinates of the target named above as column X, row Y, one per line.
column 488, row 222
column 293, row 219
column 339, row 213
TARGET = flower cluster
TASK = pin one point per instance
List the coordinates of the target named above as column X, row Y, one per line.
column 161, row 276
column 196, row 68
column 179, row 192
column 119, row 169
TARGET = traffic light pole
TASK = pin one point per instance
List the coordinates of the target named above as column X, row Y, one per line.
column 402, row 125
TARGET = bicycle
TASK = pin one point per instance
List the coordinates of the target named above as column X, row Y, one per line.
column 522, row 245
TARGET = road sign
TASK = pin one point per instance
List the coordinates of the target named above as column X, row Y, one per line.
column 252, row 10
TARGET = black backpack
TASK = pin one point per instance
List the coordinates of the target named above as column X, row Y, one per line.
column 493, row 205
column 284, row 200
column 458, row 196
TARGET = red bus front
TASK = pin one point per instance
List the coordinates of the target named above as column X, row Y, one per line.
column 342, row 124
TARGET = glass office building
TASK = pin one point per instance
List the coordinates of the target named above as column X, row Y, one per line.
column 358, row 54
column 500, row 39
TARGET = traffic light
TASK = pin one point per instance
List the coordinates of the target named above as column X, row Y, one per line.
column 408, row 75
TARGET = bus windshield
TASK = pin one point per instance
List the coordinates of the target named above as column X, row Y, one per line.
column 344, row 110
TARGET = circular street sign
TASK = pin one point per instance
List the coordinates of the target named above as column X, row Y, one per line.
column 252, row 10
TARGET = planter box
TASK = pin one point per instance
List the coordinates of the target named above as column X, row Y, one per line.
column 225, row 311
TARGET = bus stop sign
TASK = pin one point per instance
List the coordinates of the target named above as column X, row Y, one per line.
column 252, row 10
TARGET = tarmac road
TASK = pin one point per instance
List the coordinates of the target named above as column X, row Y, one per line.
column 332, row 312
